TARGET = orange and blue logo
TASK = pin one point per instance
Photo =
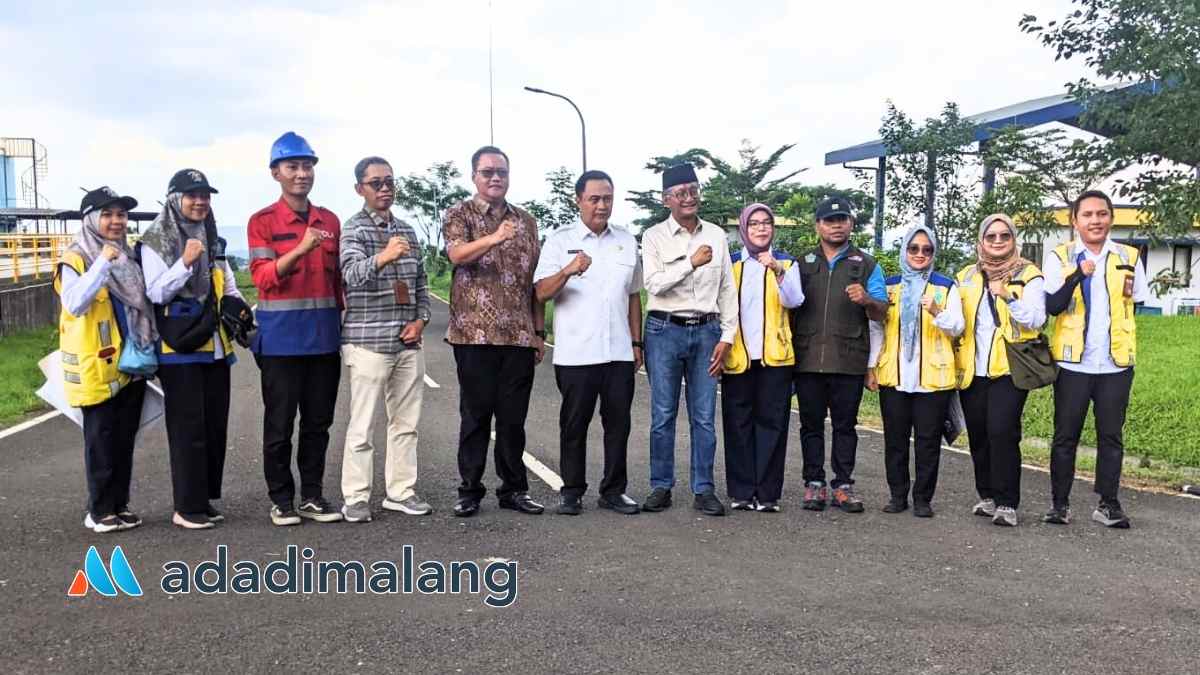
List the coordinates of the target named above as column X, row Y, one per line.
column 106, row 581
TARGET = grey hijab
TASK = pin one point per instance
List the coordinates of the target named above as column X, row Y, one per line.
column 125, row 279
column 170, row 232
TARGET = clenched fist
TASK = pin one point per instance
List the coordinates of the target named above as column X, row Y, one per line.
column 191, row 251
column 397, row 247
column 110, row 252
column 578, row 265
column 505, row 232
column 702, row 256
column 1087, row 267
column 857, row 294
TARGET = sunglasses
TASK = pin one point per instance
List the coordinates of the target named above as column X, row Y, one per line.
column 490, row 173
column 998, row 236
column 920, row 250
column 378, row 184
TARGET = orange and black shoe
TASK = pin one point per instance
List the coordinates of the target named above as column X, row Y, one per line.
column 816, row 495
column 844, row 499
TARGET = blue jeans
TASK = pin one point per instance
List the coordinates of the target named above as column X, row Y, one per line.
column 675, row 353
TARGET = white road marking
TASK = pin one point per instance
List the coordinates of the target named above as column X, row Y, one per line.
column 540, row 470
column 430, row 383
column 28, row 424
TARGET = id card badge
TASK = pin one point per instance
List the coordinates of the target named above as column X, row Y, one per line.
column 400, row 288
column 1128, row 286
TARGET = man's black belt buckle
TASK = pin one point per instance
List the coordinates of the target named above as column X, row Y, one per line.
column 685, row 319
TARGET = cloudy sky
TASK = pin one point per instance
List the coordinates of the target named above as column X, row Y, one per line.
column 126, row 93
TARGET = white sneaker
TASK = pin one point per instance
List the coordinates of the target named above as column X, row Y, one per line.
column 986, row 507
column 412, row 505
column 1006, row 516
column 104, row 525
column 283, row 518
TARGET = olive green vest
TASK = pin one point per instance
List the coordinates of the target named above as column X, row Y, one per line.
column 830, row 333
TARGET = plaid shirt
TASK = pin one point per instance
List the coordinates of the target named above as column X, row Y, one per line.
column 373, row 319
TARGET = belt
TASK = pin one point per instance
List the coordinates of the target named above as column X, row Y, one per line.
column 685, row 320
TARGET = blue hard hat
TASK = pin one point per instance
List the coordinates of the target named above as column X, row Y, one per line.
column 290, row 146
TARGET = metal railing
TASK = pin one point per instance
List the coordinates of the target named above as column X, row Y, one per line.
column 26, row 257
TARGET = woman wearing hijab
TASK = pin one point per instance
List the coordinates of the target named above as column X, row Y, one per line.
column 1003, row 301
column 915, row 369
column 756, row 391
column 103, row 306
column 186, row 273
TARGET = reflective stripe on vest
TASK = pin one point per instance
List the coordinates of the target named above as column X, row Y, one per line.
column 90, row 347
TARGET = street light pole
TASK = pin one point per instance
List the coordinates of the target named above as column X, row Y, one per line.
column 582, row 125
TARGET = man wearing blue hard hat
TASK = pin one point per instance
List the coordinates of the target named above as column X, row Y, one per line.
column 294, row 263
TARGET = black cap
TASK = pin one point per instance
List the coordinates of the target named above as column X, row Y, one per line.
column 189, row 180
column 834, row 206
column 680, row 174
column 104, row 196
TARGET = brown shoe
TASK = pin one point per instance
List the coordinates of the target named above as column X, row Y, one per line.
column 844, row 499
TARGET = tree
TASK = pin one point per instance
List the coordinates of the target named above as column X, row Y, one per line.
column 727, row 192
column 424, row 198
column 560, row 209
column 1154, row 44
column 934, row 162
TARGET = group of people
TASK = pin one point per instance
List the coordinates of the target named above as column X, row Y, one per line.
column 763, row 324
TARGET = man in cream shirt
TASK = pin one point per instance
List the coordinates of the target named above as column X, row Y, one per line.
column 692, row 318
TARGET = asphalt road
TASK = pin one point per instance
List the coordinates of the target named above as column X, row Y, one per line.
column 671, row 592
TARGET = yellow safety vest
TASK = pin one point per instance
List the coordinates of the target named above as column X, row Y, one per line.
column 90, row 345
column 972, row 288
column 937, row 359
column 777, row 327
column 1070, row 327
column 218, row 279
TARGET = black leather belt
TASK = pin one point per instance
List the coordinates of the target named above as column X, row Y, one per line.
column 682, row 320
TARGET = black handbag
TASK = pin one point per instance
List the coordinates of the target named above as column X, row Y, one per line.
column 1030, row 363
column 183, row 329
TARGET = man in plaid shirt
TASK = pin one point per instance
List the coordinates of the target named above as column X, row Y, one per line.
column 387, row 309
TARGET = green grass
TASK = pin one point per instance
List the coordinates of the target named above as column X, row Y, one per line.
column 19, row 374
column 246, row 286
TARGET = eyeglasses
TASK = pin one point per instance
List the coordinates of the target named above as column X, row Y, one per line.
column 378, row 184
column 993, row 237
column 682, row 193
column 760, row 224
column 920, row 250
column 490, row 173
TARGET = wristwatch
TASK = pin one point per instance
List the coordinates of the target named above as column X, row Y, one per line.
column 540, row 333
column 639, row 344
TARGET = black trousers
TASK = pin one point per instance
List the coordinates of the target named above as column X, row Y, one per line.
column 921, row 416
column 755, row 406
column 839, row 396
column 108, row 432
column 581, row 386
column 493, row 381
column 1109, row 396
column 197, row 416
column 993, row 409
column 308, row 384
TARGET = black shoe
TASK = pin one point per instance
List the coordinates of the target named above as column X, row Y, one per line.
column 922, row 509
column 214, row 516
column 620, row 503
column 569, row 506
column 708, row 504
column 1059, row 514
column 742, row 504
column 521, row 501
column 1109, row 514
column 896, row 505
column 466, row 507
column 659, row 500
